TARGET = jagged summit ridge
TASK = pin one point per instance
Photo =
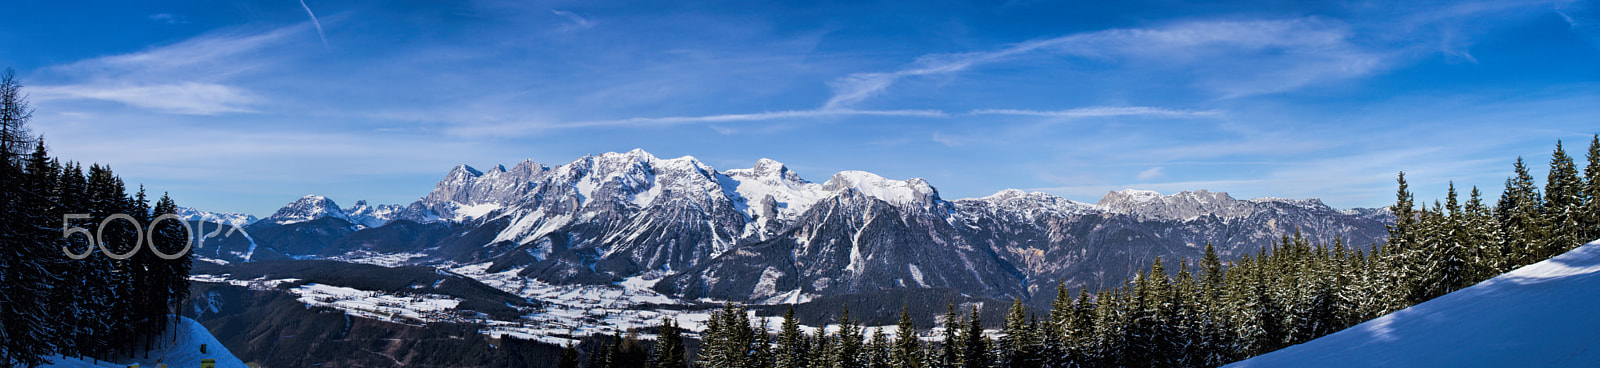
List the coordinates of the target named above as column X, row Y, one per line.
column 1188, row 205
column 766, row 233
column 312, row 207
column 228, row 218
column 635, row 177
column 307, row 208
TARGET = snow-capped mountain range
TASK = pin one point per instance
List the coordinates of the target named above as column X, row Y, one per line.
column 229, row 218
column 765, row 234
column 312, row 207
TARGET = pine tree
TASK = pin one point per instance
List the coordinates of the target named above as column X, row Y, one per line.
column 1454, row 247
column 877, row 353
column 846, row 351
column 760, row 351
column 1053, row 336
column 1402, row 234
column 822, row 347
column 600, row 356
column 974, row 345
column 792, row 345
column 718, row 347
column 1520, row 219
column 14, row 116
column 907, row 350
column 1563, row 206
column 173, row 274
column 950, row 349
column 1591, row 192
column 569, row 357
column 1078, row 331
column 24, row 336
column 630, row 353
column 1482, row 238
column 669, row 350
column 1013, row 345
column 1185, row 318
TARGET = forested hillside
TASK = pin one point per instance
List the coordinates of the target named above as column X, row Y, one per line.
column 58, row 295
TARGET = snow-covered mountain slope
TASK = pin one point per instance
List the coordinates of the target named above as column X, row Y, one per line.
column 372, row 216
column 312, row 207
column 1188, row 205
column 230, row 218
column 183, row 351
column 765, row 232
column 1541, row 315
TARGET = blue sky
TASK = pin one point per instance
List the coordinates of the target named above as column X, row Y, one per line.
column 245, row 106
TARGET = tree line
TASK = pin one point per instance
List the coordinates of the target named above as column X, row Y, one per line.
column 1209, row 312
column 96, row 307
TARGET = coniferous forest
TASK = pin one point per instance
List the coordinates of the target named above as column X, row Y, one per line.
column 87, row 304
column 1197, row 313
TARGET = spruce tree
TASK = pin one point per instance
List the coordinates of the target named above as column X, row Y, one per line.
column 1563, row 206
column 1591, row 192
column 600, row 355
column 792, row 345
column 669, row 350
column 716, row 348
column 171, row 236
column 1520, row 219
column 846, row 351
column 822, row 346
column 1012, row 346
column 907, row 350
column 1078, row 333
column 877, row 353
column 24, row 336
column 974, row 345
column 950, row 348
column 569, row 357
column 1482, row 239
column 1454, row 247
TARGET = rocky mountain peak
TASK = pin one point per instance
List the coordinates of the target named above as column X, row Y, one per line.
column 307, row 208
column 914, row 190
column 1180, row 206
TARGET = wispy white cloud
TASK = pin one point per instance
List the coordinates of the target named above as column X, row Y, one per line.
column 1151, row 173
column 519, row 128
column 1098, row 111
column 1581, row 25
column 574, row 17
column 215, row 54
column 315, row 23
column 189, row 77
column 188, row 98
column 525, row 127
column 1282, row 55
column 168, row 18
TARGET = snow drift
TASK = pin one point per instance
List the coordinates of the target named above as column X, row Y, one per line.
column 183, row 352
column 1540, row 315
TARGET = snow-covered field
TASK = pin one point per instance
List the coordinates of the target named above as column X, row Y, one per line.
column 568, row 312
column 378, row 259
column 581, row 310
column 183, row 352
column 1541, row 315
column 375, row 305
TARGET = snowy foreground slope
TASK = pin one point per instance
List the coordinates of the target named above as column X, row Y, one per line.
column 1542, row 315
column 184, row 353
